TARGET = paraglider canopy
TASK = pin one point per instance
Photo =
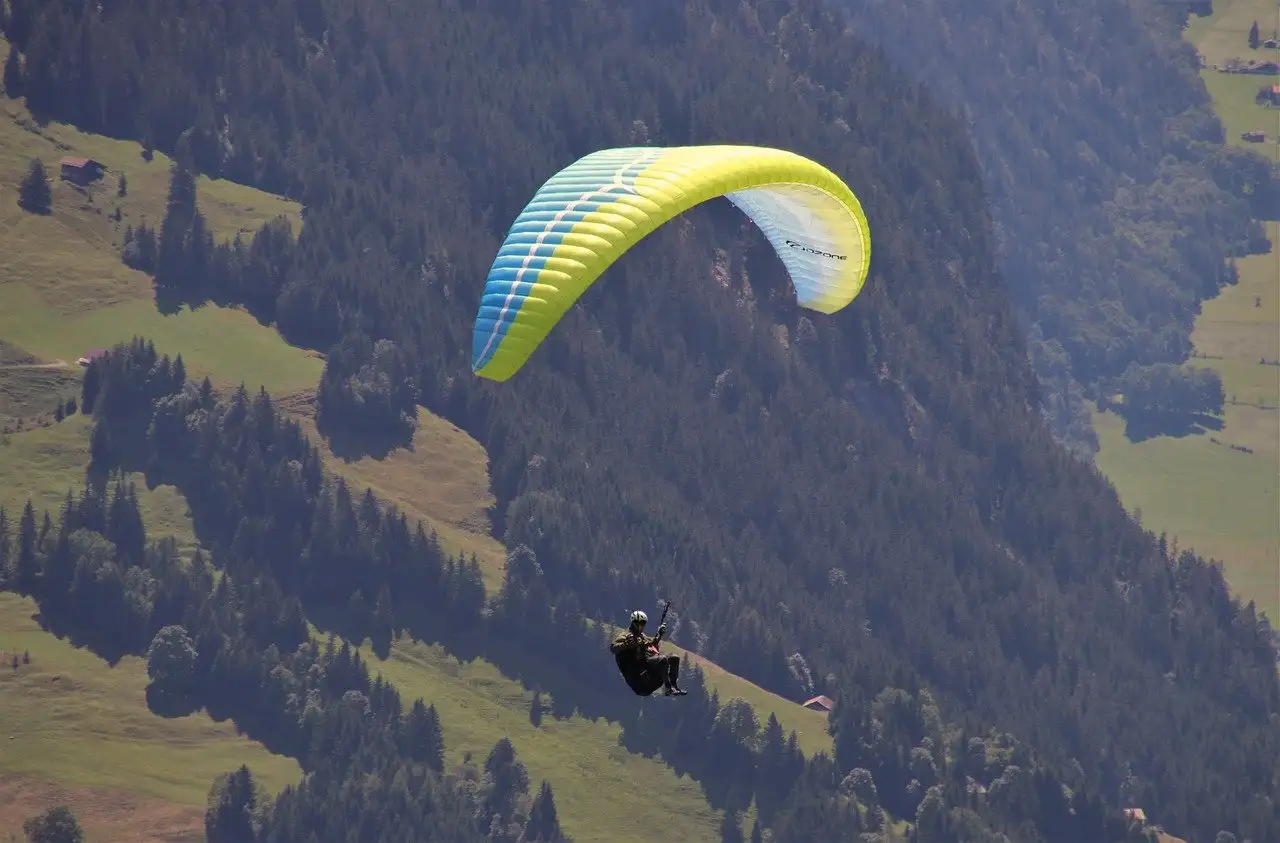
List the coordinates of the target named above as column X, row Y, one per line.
column 588, row 214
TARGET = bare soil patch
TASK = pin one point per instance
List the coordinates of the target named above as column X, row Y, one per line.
column 107, row 816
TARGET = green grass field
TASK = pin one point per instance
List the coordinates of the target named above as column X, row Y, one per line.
column 810, row 726
column 1224, row 503
column 67, row 717
column 42, row 464
column 64, row 290
column 31, row 390
column 1233, row 95
column 443, row 480
column 11, row 355
column 214, row 341
column 478, row 705
column 1219, row 502
column 581, row 758
column 1224, row 36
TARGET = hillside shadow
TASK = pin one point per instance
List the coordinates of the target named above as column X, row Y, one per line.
column 352, row 444
column 169, row 705
column 63, row 626
column 576, row 676
column 1139, row 427
column 169, row 301
column 572, row 681
column 575, row 673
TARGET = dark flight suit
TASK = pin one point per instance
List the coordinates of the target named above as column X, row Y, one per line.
column 644, row 669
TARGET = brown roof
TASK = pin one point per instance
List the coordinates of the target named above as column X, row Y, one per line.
column 77, row 161
column 823, row 701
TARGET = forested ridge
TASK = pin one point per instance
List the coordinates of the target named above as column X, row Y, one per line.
column 1117, row 204
column 845, row 505
column 294, row 545
column 239, row 648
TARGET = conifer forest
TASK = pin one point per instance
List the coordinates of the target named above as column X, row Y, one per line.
column 892, row 506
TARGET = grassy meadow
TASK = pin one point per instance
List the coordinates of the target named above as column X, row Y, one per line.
column 1218, row 491
column 442, row 478
column 72, row 725
column 581, row 758
column 63, row 291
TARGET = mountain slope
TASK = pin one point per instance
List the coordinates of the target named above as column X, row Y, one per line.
column 442, row 480
column 1116, row 204
column 1235, row 467
column 74, row 727
column 70, row 719
column 875, row 499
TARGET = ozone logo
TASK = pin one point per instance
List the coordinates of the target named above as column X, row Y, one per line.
column 811, row 250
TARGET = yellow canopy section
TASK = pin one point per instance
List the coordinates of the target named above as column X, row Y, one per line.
column 588, row 214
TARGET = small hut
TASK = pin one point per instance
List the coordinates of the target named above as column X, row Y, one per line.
column 820, row 703
column 81, row 171
column 90, row 356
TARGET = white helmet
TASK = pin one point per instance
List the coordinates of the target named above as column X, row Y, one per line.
column 639, row 617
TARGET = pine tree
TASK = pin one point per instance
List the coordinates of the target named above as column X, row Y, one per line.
column 13, row 74
column 535, row 710
column 100, row 447
column 35, row 196
column 124, row 526
column 173, row 258
column 543, row 825
column 731, row 829
column 423, row 738
column 55, row 825
column 58, row 573
column 506, row 779
column 27, row 567
column 4, row 550
column 1254, row 40
column 383, row 631
column 182, row 191
column 229, row 817
column 89, row 386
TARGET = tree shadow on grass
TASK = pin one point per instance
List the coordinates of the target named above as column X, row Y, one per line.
column 169, row 302
column 170, row 705
column 350, row 443
column 62, row 626
column 1140, row 427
